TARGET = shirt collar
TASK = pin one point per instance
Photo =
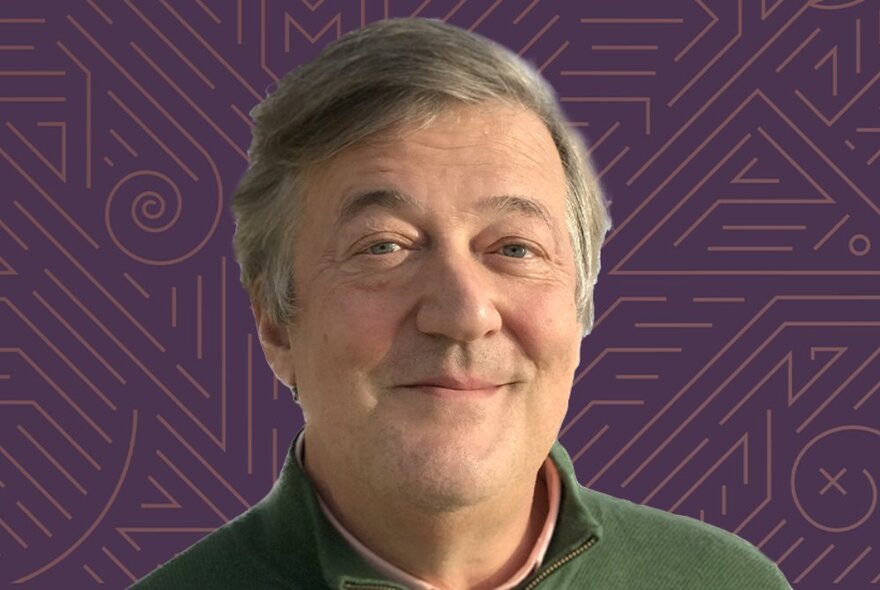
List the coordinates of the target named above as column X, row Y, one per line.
column 317, row 539
column 549, row 477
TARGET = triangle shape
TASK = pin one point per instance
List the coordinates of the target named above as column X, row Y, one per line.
column 313, row 7
column 741, row 177
column 171, row 501
column 5, row 269
column 704, row 228
column 765, row 12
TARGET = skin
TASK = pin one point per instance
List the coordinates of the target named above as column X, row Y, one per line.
column 444, row 484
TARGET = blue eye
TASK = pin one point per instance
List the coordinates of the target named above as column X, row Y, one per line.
column 384, row 248
column 515, row 250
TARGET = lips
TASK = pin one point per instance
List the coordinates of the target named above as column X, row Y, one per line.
column 448, row 386
column 448, row 382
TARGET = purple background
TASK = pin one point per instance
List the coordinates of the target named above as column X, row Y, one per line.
column 732, row 373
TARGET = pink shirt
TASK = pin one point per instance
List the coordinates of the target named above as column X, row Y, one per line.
column 548, row 474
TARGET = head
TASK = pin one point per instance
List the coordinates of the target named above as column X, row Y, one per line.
column 419, row 232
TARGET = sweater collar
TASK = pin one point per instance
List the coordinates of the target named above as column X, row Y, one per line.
column 293, row 499
column 577, row 523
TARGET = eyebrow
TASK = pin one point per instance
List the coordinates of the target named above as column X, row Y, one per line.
column 395, row 201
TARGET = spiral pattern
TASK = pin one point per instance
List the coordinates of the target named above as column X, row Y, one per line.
column 156, row 208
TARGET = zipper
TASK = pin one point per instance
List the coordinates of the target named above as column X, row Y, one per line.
column 560, row 562
column 540, row 577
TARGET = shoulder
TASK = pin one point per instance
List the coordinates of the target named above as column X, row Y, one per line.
column 219, row 560
column 679, row 551
column 229, row 557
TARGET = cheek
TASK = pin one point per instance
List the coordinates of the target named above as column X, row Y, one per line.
column 345, row 336
column 545, row 321
column 357, row 327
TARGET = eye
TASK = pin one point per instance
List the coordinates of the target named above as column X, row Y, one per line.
column 384, row 248
column 515, row 250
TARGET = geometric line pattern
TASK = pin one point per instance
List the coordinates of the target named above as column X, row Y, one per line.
column 733, row 374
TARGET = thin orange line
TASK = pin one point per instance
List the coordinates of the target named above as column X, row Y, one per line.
column 624, row 47
column 238, row 39
column 13, row 533
column 527, row 10
column 858, row 46
column 763, row 227
column 609, row 73
column 73, row 367
column 538, row 35
column 611, row 164
column 590, row 443
column 119, row 564
column 91, row 278
column 632, row 20
column 92, row 573
column 13, row 235
column 209, row 12
column 82, row 341
column 123, row 143
column 673, row 324
column 789, row 550
column 36, row 484
column 770, row 534
column 136, row 285
column 749, row 248
column 32, row 98
column 192, row 380
column 52, row 460
column 33, row 73
column 714, row 97
column 48, row 417
column 199, row 317
column 100, row 12
column 555, row 54
column 203, row 461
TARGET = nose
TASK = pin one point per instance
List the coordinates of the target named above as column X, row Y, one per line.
column 458, row 299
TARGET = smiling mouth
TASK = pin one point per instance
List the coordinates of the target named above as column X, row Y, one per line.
column 439, row 391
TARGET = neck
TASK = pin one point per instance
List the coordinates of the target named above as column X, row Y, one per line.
column 475, row 548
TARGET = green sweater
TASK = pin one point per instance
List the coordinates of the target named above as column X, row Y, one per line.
column 600, row 542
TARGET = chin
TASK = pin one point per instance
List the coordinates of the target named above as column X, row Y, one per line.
column 448, row 495
column 444, row 479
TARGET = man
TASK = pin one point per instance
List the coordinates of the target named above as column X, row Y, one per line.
column 419, row 232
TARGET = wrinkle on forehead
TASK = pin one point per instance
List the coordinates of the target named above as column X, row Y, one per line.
column 490, row 119
column 465, row 129
column 512, row 144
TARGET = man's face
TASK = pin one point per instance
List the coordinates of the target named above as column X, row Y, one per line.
column 437, row 334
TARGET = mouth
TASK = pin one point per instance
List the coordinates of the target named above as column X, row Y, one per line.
column 457, row 392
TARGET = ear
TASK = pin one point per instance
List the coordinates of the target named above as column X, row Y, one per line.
column 275, row 342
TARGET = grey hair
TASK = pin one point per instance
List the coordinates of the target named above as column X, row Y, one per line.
column 389, row 75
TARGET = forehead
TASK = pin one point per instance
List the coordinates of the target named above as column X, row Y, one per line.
column 469, row 151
